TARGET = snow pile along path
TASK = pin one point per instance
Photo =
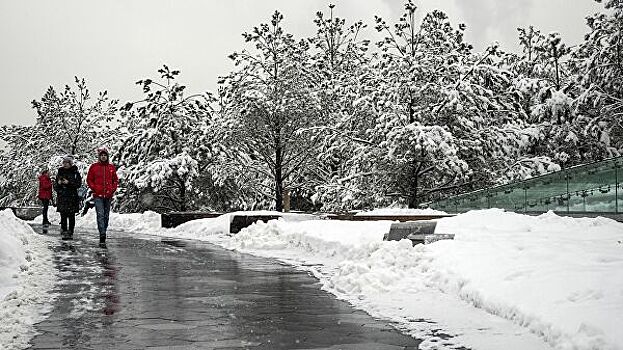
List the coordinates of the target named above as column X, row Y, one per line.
column 402, row 211
column 506, row 281
column 560, row 277
column 389, row 280
column 213, row 229
column 135, row 222
column 148, row 221
column 27, row 274
column 330, row 249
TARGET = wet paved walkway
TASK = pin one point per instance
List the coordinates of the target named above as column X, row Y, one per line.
column 153, row 294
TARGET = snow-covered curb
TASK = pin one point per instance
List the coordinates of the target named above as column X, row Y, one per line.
column 27, row 275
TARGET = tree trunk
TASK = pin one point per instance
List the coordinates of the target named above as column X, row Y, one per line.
column 278, row 177
column 182, row 195
column 413, row 193
column 411, row 108
column 286, row 201
column 183, row 199
column 556, row 59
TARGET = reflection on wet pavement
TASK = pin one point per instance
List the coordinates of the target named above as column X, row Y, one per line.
column 170, row 294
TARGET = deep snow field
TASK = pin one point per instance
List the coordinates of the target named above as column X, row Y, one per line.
column 506, row 281
column 27, row 274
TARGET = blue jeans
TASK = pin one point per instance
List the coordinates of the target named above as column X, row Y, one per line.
column 102, row 209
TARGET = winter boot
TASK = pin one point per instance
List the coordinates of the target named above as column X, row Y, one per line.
column 66, row 235
column 102, row 241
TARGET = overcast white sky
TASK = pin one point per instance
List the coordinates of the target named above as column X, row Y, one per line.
column 113, row 43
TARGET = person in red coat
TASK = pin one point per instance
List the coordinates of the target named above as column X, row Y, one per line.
column 103, row 181
column 45, row 194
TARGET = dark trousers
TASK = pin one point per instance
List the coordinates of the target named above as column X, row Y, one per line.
column 65, row 217
column 46, row 205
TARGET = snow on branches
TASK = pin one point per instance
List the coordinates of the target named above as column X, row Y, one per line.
column 70, row 122
column 156, row 175
column 159, row 150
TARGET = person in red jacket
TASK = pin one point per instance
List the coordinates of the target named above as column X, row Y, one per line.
column 103, row 181
column 45, row 194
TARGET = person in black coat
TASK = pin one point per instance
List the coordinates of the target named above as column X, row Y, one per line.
column 67, row 182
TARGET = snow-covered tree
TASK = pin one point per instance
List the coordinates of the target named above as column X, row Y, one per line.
column 72, row 118
column 423, row 70
column 162, row 148
column 71, row 122
column 544, row 86
column 269, row 108
column 600, row 72
column 342, row 66
column 441, row 117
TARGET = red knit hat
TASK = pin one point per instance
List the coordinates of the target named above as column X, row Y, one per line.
column 102, row 149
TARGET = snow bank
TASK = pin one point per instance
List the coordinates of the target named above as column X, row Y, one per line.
column 560, row 277
column 321, row 238
column 211, row 228
column 402, row 211
column 506, row 280
column 12, row 254
column 150, row 222
column 136, row 222
column 27, row 274
column 386, row 279
column 557, row 281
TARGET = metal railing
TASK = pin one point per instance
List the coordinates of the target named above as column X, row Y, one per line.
column 589, row 188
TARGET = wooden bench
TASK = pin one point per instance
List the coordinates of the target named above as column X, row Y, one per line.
column 420, row 232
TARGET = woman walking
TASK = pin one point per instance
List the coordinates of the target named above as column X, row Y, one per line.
column 45, row 194
column 67, row 182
